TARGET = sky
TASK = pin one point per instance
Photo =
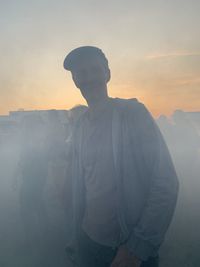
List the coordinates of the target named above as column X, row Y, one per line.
column 153, row 48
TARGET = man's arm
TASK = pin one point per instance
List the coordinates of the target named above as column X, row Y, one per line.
column 149, row 232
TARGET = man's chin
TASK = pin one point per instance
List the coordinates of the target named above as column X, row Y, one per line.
column 92, row 86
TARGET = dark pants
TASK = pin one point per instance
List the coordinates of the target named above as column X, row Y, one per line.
column 92, row 254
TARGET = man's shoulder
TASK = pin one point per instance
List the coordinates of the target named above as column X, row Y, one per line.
column 128, row 105
column 123, row 101
column 133, row 111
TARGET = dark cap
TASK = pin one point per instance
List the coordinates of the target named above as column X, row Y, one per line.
column 83, row 53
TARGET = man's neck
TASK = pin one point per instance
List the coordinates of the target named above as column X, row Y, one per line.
column 94, row 105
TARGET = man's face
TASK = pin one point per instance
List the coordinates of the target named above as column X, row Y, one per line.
column 91, row 77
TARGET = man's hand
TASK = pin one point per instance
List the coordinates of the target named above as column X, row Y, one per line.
column 125, row 259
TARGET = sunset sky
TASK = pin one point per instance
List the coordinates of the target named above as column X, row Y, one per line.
column 153, row 48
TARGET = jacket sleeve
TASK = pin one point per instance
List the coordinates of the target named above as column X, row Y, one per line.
column 148, row 234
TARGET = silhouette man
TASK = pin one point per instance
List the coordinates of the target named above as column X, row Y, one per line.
column 123, row 183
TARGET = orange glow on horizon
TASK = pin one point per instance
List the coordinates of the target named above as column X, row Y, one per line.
column 66, row 99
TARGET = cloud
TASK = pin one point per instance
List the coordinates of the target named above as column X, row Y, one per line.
column 192, row 81
column 172, row 54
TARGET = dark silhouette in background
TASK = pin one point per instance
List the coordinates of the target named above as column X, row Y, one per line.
column 124, row 186
column 33, row 169
column 183, row 140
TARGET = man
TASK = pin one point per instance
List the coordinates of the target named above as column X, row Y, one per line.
column 124, row 186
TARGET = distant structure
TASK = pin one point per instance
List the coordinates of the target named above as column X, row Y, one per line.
column 194, row 117
column 8, row 127
column 19, row 114
column 11, row 124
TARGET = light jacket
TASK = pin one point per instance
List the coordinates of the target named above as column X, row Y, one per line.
column 147, row 184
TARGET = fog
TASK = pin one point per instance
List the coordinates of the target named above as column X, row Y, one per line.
column 34, row 157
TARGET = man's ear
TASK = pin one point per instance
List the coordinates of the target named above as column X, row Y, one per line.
column 74, row 79
column 108, row 75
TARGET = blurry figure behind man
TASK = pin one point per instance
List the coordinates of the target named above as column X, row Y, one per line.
column 33, row 169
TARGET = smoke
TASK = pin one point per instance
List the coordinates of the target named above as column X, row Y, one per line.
column 182, row 137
